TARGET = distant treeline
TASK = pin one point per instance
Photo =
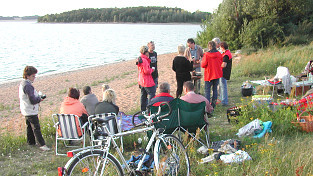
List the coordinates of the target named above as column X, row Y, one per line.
column 129, row 14
column 19, row 18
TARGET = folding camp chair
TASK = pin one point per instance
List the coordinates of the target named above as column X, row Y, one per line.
column 113, row 126
column 68, row 128
column 191, row 116
column 187, row 118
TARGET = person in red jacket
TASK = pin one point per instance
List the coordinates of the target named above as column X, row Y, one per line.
column 211, row 62
column 145, row 80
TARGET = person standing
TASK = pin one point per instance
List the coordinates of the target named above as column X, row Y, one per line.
column 212, row 61
column 218, row 44
column 153, row 56
column 195, row 53
column 89, row 100
column 29, row 104
column 226, row 65
column 145, row 80
column 182, row 66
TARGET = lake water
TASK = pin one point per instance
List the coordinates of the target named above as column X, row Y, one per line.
column 53, row 48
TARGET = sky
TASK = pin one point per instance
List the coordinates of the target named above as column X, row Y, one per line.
column 43, row 7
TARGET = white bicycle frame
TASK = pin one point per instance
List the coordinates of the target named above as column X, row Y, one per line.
column 110, row 139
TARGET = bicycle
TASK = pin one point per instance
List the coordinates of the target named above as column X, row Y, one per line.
column 170, row 156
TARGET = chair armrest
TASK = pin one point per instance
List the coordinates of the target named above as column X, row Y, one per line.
column 85, row 125
column 56, row 125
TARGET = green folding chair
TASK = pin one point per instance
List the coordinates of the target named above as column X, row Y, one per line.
column 191, row 116
column 185, row 118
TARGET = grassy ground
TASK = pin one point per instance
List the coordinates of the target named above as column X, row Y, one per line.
column 286, row 151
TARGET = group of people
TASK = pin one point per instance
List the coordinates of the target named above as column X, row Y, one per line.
column 217, row 63
column 87, row 105
column 217, row 68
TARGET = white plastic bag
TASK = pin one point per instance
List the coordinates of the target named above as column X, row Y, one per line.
column 236, row 157
column 249, row 129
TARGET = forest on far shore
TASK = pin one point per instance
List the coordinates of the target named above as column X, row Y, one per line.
column 129, row 14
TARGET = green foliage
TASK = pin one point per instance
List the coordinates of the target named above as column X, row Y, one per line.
column 10, row 143
column 129, row 14
column 265, row 62
column 280, row 118
column 63, row 91
column 6, row 107
column 260, row 33
column 259, row 23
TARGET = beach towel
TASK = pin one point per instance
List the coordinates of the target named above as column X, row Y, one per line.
column 126, row 124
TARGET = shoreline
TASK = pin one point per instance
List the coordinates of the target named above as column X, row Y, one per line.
column 121, row 76
column 17, row 80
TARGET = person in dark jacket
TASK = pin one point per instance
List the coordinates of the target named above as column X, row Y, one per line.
column 153, row 56
column 108, row 103
column 226, row 65
column 164, row 95
column 182, row 66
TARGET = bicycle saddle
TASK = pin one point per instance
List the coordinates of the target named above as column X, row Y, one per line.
column 103, row 120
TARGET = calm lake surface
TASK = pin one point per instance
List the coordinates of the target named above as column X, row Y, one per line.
column 54, row 48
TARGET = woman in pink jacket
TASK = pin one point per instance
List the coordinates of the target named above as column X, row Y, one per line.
column 145, row 80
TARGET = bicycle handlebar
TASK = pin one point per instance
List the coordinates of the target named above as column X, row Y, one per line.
column 133, row 121
column 165, row 115
column 158, row 113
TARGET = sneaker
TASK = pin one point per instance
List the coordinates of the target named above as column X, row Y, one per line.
column 44, row 148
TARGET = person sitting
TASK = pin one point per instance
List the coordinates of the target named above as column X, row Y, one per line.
column 164, row 95
column 72, row 105
column 104, row 88
column 108, row 103
column 191, row 97
column 89, row 100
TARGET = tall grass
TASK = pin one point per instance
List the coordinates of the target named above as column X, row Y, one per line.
column 285, row 151
column 265, row 62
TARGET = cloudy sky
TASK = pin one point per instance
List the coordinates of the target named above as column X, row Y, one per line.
column 42, row 7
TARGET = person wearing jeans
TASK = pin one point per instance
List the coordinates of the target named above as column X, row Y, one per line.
column 145, row 80
column 211, row 62
column 226, row 65
column 207, row 89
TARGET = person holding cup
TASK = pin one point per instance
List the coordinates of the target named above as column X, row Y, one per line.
column 29, row 105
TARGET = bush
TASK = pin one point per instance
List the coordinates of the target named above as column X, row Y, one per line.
column 280, row 118
column 260, row 33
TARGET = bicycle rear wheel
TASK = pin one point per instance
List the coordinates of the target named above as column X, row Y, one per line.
column 170, row 156
column 91, row 162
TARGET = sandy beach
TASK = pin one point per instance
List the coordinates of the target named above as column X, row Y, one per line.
column 121, row 76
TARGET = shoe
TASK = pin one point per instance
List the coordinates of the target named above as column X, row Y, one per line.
column 44, row 148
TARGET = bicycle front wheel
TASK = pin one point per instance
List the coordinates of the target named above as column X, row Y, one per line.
column 170, row 156
column 91, row 162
